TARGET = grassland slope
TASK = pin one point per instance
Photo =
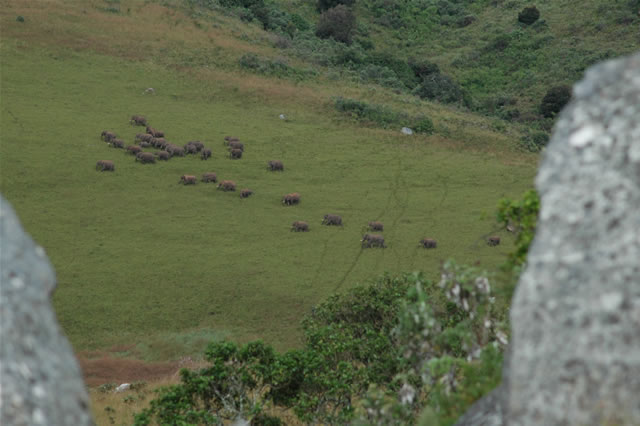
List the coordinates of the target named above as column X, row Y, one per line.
column 142, row 260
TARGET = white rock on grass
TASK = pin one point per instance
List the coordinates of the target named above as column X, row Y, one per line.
column 123, row 387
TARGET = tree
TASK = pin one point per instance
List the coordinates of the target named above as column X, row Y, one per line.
column 555, row 99
column 338, row 23
column 328, row 4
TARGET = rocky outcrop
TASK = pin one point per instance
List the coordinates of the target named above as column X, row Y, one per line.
column 575, row 316
column 40, row 381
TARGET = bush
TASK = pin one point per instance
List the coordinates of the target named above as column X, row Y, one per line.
column 241, row 3
column 529, row 15
column 424, row 125
column 423, row 68
column 410, row 338
column 323, row 5
column 365, row 43
column 377, row 114
column 380, row 75
column 499, row 43
column 349, row 56
column 555, row 99
column 383, row 116
column 338, row 23
column 249, row 60
column 441, row 88
column 271, row 17
column 275, row 67
column 299, row 22
column 521, row 217
column 534, row 141
column 401, row 68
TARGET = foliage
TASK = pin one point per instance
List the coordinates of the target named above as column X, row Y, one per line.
column 273, row 67
column 474, row 380
column 520, row 217
column 423, row 68
column 423, row 125
column 347, row 346
column 403, row 70
column 338, row 23
column 535, row 140
column 380, row 75
column 269, row 14
column 323, row 5
column 383, row 116
column 375, row 354
column 529, row 15
column 514, row 60
column 446, row 334
column 554, row 100
column 441, row 88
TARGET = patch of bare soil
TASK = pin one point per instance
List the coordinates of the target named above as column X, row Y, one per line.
column 100, row 367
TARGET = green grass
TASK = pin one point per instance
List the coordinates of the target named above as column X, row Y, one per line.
column 141, row 259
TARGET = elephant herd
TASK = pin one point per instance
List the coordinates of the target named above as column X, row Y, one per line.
column 166, row 150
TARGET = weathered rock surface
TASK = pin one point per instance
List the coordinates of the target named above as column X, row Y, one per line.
column 40, row 381
column 575, row 316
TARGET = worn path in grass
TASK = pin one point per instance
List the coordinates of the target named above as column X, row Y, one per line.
column 146, row 262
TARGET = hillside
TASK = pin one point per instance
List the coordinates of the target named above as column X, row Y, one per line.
column 158, row 268
column 153, row 270
column 490, row 56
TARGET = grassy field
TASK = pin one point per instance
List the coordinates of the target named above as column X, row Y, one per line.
column 160, row 268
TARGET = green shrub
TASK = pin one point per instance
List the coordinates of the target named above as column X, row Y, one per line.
column 380, row 75
column 441, row 88
column 423, row 68
column 20, row 18
column 376, row 114
column 534, row 141
column 241, row 3
column 555, row 99
column 401, row 68
column 376, row 352
column 277, row 67
column 540, row 138
column 338, row 23
column 529, row 15
column 466, row 21
column 499, row 43
column 520, row 217
column 474, row 380
column 423, row 125
column 323, row 5
column 450, row 13
column 348, row 56
column 300, row 23
column 365, row 43
column 383, row 116
column 250, row 61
